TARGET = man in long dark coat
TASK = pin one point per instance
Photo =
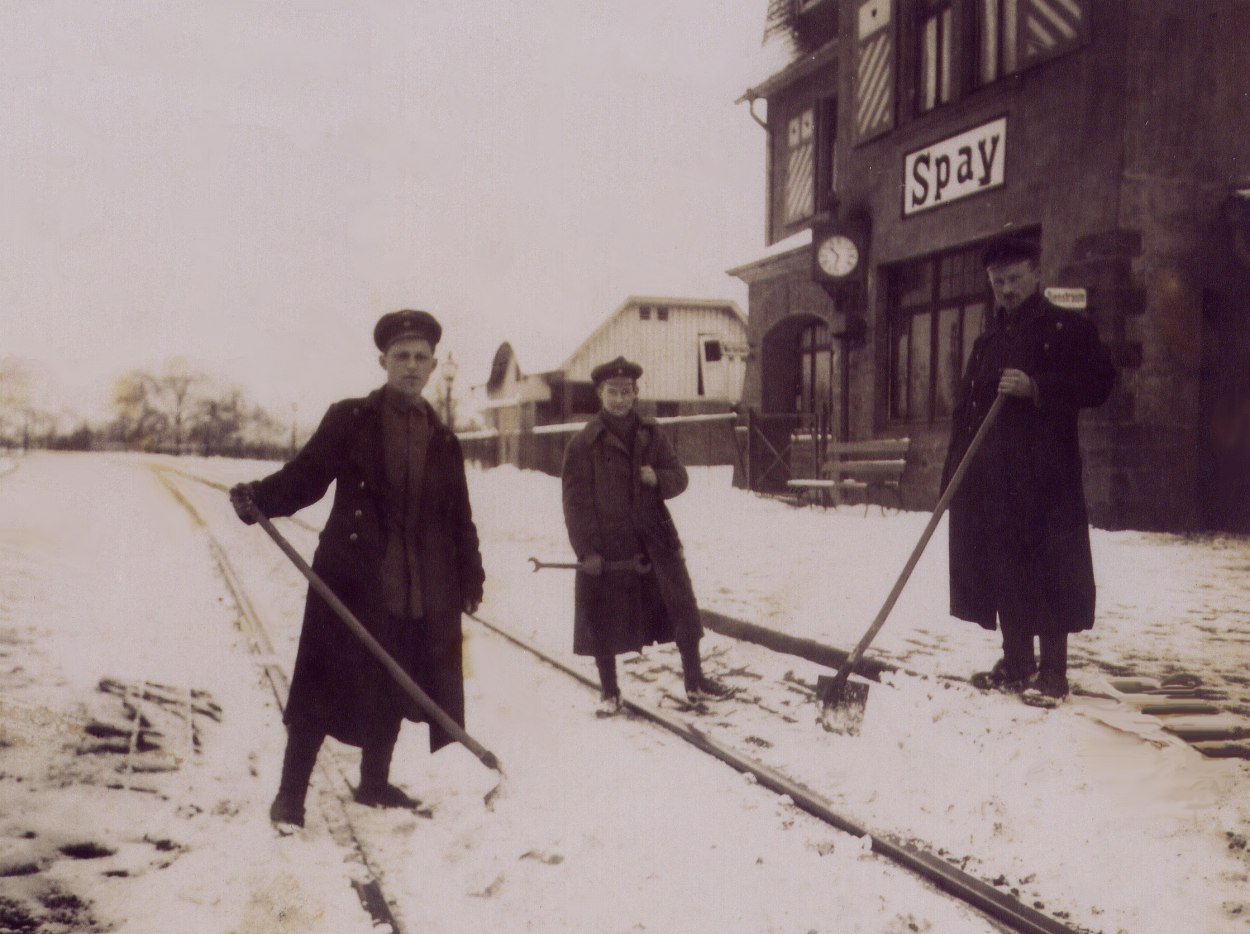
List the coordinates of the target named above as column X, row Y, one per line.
column 399, row 549
column 617, row 473
column 1019, row 534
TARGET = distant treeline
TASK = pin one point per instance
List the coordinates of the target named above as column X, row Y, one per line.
column 175, row 411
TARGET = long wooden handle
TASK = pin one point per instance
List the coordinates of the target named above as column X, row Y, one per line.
column 840, row 679
column 411, row 688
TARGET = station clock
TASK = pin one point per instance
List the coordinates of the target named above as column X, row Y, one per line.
column 839, row 253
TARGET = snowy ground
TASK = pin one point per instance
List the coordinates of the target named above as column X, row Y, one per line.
column 1092, row 812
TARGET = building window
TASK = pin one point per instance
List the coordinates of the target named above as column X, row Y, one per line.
column 644, row 313
column 661, row 313
column 933, row 54
column 814, row 392
column 800, row 165
column 937, row 310
column 993, row 40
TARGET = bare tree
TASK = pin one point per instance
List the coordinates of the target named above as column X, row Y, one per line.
column 217, row 421
column 173, row 392
column 181, row 409
column 22, row 417
column 137, row 422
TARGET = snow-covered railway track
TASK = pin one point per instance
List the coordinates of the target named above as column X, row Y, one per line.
column 1004, row 910
column 1011, row 912
column 335, row 784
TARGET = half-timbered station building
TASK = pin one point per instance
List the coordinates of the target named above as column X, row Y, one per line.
column 903, row 134
column 693, row 355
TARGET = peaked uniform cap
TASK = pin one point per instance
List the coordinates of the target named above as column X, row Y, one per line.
column 614, row 368
column 395, row 325
column 1010, row 249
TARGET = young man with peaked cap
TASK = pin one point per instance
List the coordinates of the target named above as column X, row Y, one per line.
column 617, row 473
column 1019, row 534
column 399, row 549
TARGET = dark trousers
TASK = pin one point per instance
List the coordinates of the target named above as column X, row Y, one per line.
column 302, row 746
column 303, row 743
column 691, row 667
column 1018, row 650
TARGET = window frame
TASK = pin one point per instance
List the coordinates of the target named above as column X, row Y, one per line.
column 814, row 346
column 969, row 303
column 944, row 14
column 1006, row 61
column 799, row 131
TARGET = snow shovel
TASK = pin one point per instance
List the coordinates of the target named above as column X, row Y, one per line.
column 638, row 564
column 843, row 702
column 410, row 687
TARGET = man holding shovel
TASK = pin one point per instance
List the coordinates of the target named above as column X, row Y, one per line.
column 400, row 550
column 617, row 473
column 1019, row 535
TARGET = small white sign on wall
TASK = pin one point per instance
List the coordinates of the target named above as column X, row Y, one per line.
column 1074, row 299
column 967, row 164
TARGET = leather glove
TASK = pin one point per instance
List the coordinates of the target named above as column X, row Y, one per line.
column 592, row 564
column 243, row 502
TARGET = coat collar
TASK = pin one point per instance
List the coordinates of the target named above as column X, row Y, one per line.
column 1032, row 307
column 367, row 450
column 373, row 402
column 597, row 427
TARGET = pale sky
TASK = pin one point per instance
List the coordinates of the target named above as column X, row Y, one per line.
column 251, row 184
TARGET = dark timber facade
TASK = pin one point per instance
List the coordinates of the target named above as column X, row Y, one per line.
column 1117, row 133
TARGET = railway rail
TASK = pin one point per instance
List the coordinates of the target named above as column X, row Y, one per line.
column 1005, row 910
column 333, row 805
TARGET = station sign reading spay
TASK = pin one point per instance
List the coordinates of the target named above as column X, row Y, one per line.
column 956, row 167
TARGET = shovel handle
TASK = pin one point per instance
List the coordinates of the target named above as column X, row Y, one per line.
column 410, row 687
column 835, row 686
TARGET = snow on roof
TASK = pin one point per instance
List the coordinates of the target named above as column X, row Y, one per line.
column 795, row 241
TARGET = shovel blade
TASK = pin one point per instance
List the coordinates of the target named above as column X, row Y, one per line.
column 841, row 707
column 461, row 768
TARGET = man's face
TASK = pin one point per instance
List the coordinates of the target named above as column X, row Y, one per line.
column 408, row 362
column 1013, row 282
column 618, row 395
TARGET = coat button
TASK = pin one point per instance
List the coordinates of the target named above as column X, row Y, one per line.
column 359, row 513
column 352, row 537
column 362, row 484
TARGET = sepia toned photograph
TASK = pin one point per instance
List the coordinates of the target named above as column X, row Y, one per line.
column 671, row 466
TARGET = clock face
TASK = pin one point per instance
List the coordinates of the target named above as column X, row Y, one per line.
column 838, row 255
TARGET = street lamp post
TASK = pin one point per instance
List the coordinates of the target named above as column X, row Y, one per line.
column 449, row 369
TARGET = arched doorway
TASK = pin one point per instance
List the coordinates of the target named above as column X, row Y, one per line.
column 801, row 375
column 802, row 392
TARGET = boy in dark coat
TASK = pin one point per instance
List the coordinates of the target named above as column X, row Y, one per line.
column 1019, row 535
column 400, row 550
column 618, row 471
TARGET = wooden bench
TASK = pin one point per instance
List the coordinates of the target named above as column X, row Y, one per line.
column 860, row 467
